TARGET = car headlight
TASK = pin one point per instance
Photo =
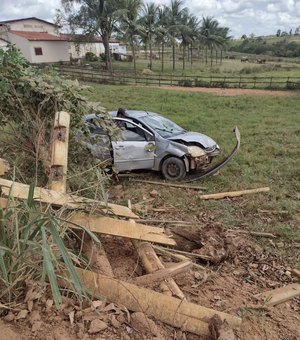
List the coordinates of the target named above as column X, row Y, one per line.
column 196, row 151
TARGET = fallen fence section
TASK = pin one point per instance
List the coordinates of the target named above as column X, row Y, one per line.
column 177, row 313
column 121, row 228
column 19, row 190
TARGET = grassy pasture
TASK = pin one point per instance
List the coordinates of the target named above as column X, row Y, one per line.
column 269, row 154
column 275, row 67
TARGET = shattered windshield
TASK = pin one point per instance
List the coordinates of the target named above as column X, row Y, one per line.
column 163, row 126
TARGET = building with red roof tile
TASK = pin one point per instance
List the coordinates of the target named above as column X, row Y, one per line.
column 40, row 42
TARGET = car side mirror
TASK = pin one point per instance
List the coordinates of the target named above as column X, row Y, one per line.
column 150, row 147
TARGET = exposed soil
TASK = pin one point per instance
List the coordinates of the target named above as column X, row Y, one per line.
column 232, row 92
column 236, row 269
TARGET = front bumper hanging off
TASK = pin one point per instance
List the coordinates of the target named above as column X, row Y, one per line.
column 222, row 163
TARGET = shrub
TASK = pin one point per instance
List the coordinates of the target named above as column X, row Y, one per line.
column 185, row 82
column 90, row 56
column 29, row 98
column 201, row 83
column 293, row 85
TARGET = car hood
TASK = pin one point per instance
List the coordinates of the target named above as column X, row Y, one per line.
column 194, row 137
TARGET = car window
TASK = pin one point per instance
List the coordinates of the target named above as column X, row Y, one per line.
column 132, row 131
column 163, row 126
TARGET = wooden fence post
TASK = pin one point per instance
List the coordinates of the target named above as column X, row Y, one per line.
column 59, row 152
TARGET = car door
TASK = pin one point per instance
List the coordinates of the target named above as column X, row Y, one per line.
column 135, row 149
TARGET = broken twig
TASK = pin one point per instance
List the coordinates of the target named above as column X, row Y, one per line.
column 254, row 233
column 234, row 193
column 183, row 186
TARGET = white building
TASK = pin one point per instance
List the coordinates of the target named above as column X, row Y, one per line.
column 80, row 45
column 40, row 42
column 37, row 39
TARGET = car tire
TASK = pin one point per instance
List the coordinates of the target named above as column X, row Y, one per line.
column 173, row 169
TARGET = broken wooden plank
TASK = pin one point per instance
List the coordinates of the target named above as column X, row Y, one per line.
column 19, row 190
column 181, row 314
column 152, row 263
column 161, row 274
column 164, row 251
column 59, row 152
column 96, row 255
column 111, row 226
column 296, row 272
column 4, row 166
column 183, row 186
column 187, row 254
column 279, row 295
column 234, row 193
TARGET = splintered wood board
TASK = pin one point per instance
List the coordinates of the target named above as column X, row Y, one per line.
column 111, row 226
column 20, row 191
column 4, row 166
column 279, row 295
column 178, row 313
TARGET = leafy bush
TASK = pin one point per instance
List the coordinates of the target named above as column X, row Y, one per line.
column 29, row 98
column 293, row 85
column 201, row 83
column 90, row 56
column 219, row 84
column 102, row 57
column 185, row 82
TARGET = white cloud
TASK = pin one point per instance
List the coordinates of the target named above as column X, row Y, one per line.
column 261, row 17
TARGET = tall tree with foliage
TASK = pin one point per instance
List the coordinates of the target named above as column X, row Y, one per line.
column 149, row 20
column 210, row 36
column 129, row 24
column 189, row 30
column 175, row 12
column 94, row 17
column 162, row 33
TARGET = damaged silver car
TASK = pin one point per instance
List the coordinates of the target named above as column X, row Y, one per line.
column 151, row 141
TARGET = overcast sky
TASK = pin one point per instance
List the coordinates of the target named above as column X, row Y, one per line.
column 260, row 17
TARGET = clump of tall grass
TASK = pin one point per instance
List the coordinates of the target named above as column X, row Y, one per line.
column 32, row 248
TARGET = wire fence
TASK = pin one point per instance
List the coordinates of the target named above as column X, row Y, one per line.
column 103, row 77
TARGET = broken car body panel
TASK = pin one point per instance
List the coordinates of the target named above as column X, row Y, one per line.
column 151, row 141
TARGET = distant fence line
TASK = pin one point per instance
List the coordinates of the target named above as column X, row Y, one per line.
column 102, row 77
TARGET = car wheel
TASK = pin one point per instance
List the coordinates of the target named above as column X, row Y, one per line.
column 173, row 169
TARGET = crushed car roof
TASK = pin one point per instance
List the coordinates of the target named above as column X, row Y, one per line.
column 134, row 113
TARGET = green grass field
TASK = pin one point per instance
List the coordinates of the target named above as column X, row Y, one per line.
column 276, row 68
column 269, row 154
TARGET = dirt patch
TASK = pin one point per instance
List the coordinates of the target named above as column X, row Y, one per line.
column 232, row 92
column 231, row 270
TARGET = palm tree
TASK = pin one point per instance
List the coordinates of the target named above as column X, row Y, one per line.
column 162, row 33
column 209, row 35
column 94, row 17
column 224, row 39
column 129, row 24
column 148, row 20
column 188, row 31
column 174, row 14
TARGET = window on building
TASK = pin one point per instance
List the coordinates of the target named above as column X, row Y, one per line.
column 38, row 51
column 27, row 26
